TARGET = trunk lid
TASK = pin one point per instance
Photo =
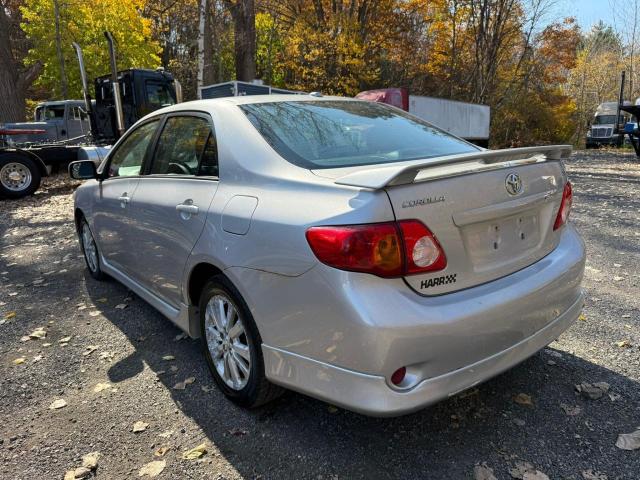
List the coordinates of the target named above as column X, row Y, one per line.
column 491, row 216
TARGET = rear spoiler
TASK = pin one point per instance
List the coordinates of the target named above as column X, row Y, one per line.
column 451, row 165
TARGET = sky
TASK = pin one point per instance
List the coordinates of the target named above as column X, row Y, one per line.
column 590, row 12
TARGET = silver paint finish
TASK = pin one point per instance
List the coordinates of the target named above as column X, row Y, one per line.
column 316, row 320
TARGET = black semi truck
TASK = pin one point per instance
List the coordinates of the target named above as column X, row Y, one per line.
column 70, row 130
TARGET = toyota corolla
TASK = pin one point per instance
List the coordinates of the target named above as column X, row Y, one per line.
column 340, row 248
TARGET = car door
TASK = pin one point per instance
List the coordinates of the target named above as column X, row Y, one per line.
column 111, row 216
column 171, row 202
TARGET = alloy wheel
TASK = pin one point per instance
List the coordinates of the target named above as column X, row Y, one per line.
column 227, row 342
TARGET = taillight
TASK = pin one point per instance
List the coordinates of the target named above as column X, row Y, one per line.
column 565, row 207
column 384, row 249
column 422, row 250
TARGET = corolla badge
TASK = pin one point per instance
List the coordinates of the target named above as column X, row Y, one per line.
column 513, row 184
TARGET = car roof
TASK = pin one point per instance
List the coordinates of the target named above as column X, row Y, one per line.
column 249, row 99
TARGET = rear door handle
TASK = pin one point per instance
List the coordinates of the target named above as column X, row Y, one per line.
column 187, row 209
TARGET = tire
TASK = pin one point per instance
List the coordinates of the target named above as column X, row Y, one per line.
column 221, row 350
column 19, row 176
column 90, row 250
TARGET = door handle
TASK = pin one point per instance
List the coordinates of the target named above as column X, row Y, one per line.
column 187, row 209
column 124, row 199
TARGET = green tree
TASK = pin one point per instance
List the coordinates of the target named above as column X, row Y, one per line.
column 85, row 23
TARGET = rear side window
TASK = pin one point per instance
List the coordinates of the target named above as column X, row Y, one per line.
column 186, row 147
column 127, row 159
column 342, row 133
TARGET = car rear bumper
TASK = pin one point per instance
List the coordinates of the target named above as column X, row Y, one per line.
column 343, row 342
column 371, row 394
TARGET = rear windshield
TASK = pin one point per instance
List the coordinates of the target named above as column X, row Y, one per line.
column 333, row 134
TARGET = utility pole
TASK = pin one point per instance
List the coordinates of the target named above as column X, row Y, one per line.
column 63, row 75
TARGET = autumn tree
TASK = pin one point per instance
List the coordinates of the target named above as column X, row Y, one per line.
column 85, row 24
column 15, row 78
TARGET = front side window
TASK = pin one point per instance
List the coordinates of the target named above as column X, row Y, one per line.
column 343, row 133
column 127, row 159
column 184, row 141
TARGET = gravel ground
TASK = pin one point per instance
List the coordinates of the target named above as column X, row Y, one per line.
column 107, row 364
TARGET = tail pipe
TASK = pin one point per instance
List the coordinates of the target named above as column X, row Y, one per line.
column 115, row 84
column 85, row 90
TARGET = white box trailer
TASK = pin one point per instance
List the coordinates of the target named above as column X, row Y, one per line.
column 470, row 121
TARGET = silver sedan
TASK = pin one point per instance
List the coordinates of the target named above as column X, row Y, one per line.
column 339, row 248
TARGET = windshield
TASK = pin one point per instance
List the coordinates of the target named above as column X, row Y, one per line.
column 335, row 133
column 605, row 119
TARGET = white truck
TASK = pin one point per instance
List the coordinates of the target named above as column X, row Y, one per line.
column 470, row 121
column 603, row 130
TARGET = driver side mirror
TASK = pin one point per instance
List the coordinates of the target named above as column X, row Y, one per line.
column 83, row 170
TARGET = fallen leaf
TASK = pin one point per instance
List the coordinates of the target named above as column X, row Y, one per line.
column 195, row 452
column 90, row 460
column 69, row 475
column 591, row 475
column 332, row 409
column 173, row 368
column 89, row 350
column 19, row 361
column 520, row 469
column 523, row 399
column 95, row 313
column 624, row 344
column 25, row 338
column 64, row 340
column 571, row 410
column 160, row 452
column 102, row 300
column 629, row 441
column 166, row 434
column 37, row 358
column 100, row 387
column 582, row 317
column 9, row 315
column 168, row 358
column 121, row 306
column 180, row 337
column 617, row 278
column 106, row 356
column 59, row 403
column 535, row 475
column 139, row 426
column 46, row 344
column 237, row 432
column 152, row 469
column 81, row 472
column 593, row 391
column 182, row 385
column 483, row 472
column 38, row 333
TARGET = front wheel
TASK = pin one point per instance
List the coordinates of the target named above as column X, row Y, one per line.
column 232, row 345
column 90, row 251
column 19, row 176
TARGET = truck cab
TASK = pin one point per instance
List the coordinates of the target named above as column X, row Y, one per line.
column 54, row 121
column 603, row 129
column 142, row 91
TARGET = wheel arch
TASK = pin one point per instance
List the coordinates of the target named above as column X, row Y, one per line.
column 27, row 154
column 198, row 278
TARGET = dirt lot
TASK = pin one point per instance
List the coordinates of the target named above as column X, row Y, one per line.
column 106, row 362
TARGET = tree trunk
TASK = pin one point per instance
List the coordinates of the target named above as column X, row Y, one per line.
column 63, row 73
column 244, row 19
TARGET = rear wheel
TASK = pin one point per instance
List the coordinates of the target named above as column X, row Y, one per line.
column 19, row 176
column 232, row 345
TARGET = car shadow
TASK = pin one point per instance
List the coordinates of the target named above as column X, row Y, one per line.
column 299, row 437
